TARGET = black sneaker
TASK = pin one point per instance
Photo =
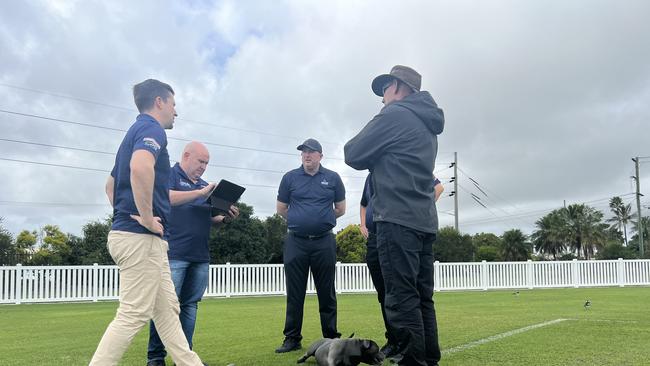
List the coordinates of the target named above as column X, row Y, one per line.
column 390, row 350
column 289, row 345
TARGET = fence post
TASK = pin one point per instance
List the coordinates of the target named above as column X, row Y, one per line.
column 574, row 273
column 228, row 282
column 95, row 284
column 484, row 281
column 436, row 276
column 621, row 272
column 338, row 279
column 19, row 282
column 529, row 274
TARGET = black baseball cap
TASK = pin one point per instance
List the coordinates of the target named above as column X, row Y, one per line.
column 311, row 144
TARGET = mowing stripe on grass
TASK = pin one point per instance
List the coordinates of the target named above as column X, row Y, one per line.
column 499, row 336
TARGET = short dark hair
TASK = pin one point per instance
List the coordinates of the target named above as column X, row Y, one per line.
column 145, row 93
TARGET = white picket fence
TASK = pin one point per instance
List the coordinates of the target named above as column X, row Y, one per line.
column 30, row 284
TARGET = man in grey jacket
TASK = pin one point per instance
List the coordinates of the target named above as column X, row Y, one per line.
column 399, row 147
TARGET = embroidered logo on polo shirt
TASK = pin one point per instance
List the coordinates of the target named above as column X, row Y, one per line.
column 324, row 182
column 151, row 142
column 185, row 184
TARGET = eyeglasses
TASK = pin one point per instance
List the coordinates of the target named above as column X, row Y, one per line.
column 386, row 86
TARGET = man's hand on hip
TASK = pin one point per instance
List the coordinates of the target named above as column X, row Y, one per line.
column 151, row 223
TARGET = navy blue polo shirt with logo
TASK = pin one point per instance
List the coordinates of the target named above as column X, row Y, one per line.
column 311, row 199
column 145, row 134
column 189, row 223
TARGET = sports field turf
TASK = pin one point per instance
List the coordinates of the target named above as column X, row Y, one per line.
column 476, row 328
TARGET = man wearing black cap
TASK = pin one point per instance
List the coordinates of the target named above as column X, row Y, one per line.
column 399, row 147
column 310, row 198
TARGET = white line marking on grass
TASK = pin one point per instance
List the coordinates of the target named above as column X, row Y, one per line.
column 499, row 336
column 607, row 321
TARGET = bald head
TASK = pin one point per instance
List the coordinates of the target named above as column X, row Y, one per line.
column 195, row 160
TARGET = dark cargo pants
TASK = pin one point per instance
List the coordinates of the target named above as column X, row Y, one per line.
column 406, row 259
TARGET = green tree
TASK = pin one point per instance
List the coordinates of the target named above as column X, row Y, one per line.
column 622, row 215
column 26, row 242
column 276, row 230
column 92, row 247
column 634, row 242
column 551, row 235
column 615, row 251
column 350, row 245
column 241, row 241
column 7, row 251
column 586, row 231
column 54, row 247
column 488, row 253
column 486, row 247
column 486, row 239
column 451, row 246
column 514, row 246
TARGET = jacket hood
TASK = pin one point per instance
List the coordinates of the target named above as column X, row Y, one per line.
column 425, row 108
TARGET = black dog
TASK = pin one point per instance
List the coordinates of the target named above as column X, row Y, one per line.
column 344, row 352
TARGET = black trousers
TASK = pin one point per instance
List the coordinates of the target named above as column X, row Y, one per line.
column 301, row 254
column 406, row 260
column 372, row 261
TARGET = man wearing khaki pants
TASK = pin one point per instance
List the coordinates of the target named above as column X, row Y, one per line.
column 138, row 190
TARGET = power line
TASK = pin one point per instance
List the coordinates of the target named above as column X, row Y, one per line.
column 113, row 154
column 102, row 170
column 53, row 204
column 88, row 101
column 531, row 213
column 56, row 165
column 108, row 171
column 169, row 138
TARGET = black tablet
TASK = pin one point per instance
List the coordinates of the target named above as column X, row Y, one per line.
column 225, row 195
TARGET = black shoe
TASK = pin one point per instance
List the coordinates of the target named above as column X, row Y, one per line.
column 289, row 345
column 390, row 350
column 156, row 363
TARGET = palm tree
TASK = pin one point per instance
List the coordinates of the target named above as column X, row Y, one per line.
column 514, row 246
column 550, row 238
column 622, row 215
column 586, row 231
column 645, row 221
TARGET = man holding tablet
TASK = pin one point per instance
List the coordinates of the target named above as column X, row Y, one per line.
column 189, row 231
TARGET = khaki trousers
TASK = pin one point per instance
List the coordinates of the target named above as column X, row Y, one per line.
column 146, row 292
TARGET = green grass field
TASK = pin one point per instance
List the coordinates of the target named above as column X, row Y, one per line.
column 245, row 331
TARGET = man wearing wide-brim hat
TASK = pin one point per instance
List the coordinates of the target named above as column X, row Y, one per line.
column 399, row 147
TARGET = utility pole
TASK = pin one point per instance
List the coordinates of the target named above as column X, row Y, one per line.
column 456, row 190
column 638, row 206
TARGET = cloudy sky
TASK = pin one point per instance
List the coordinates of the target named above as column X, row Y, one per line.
column 544, row 101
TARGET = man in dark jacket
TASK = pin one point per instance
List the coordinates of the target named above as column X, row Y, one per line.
column 399, row 147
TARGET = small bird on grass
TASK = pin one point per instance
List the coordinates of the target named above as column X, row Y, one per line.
column 587, row 305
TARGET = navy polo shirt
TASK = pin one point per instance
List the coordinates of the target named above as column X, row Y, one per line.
column 366, row 201
column 145, row 134
column 189, row 223
column 311, row 199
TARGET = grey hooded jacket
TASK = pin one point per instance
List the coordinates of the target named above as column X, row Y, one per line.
column 399, row 147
